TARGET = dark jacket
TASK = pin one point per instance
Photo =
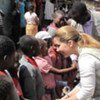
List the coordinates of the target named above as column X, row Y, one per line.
column 30, row 80
column 7, row 88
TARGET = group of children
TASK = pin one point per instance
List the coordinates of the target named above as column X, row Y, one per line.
column 35, row 70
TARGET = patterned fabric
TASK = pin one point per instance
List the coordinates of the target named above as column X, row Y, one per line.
column 31, row 29
column 45, row 67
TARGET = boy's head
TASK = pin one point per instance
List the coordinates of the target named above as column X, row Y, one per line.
column 7, row 52
column 29, row 45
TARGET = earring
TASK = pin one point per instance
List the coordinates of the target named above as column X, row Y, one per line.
column 5, row 57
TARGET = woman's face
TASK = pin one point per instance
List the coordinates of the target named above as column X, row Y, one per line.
column 65, row 49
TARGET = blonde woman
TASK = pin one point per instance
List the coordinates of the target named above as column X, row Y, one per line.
column 88, row 49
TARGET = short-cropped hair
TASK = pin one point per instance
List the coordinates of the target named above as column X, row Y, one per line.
column 7, row 46
column 25, row 44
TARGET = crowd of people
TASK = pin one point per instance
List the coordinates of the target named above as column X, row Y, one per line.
column 59, row 60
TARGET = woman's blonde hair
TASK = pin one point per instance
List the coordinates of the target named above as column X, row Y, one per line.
column 88, row 41
column 67, row 33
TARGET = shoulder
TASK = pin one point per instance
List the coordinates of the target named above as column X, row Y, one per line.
column 27, row 14
column 5, row 84
column 43, row 64
column 87, row 62
column 40, row 61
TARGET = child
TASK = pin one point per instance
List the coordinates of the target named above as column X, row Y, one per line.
column 46, row 67
column 7, row 53
column 29, row 74
column 32, row 22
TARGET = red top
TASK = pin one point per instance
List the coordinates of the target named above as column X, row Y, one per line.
column 32, row 61
column 2, row 73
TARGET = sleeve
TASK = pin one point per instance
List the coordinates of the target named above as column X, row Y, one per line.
column 87, row 77
column 88, row 27
column 43, row 65
column 74, row 57
column 25, row 15
column 34, row 15
column 28, row 83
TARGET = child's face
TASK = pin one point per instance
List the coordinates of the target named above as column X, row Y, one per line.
column 54, row 42
column 45, row 50
column 9, row 61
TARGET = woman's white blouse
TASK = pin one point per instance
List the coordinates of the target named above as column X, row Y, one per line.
column 88, row 65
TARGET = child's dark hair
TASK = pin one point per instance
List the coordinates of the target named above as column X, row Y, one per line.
column 25, row 44
column 31, row 8
column 7, row 46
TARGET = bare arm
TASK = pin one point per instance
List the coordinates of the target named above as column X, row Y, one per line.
column 62, row 71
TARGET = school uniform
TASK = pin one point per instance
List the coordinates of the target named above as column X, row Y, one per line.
column 30, row 79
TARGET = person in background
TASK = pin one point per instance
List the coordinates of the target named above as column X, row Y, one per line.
column 1, row 22
column 15, row 23
column 82, row 16
column 70, row 41
column 48, row 10
column 40, row 11
column 32, row 21
column 7, row 60
column 22, row 19
column 29, row 75
column 45, row 36
column 57, row 16
column 29, row 3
